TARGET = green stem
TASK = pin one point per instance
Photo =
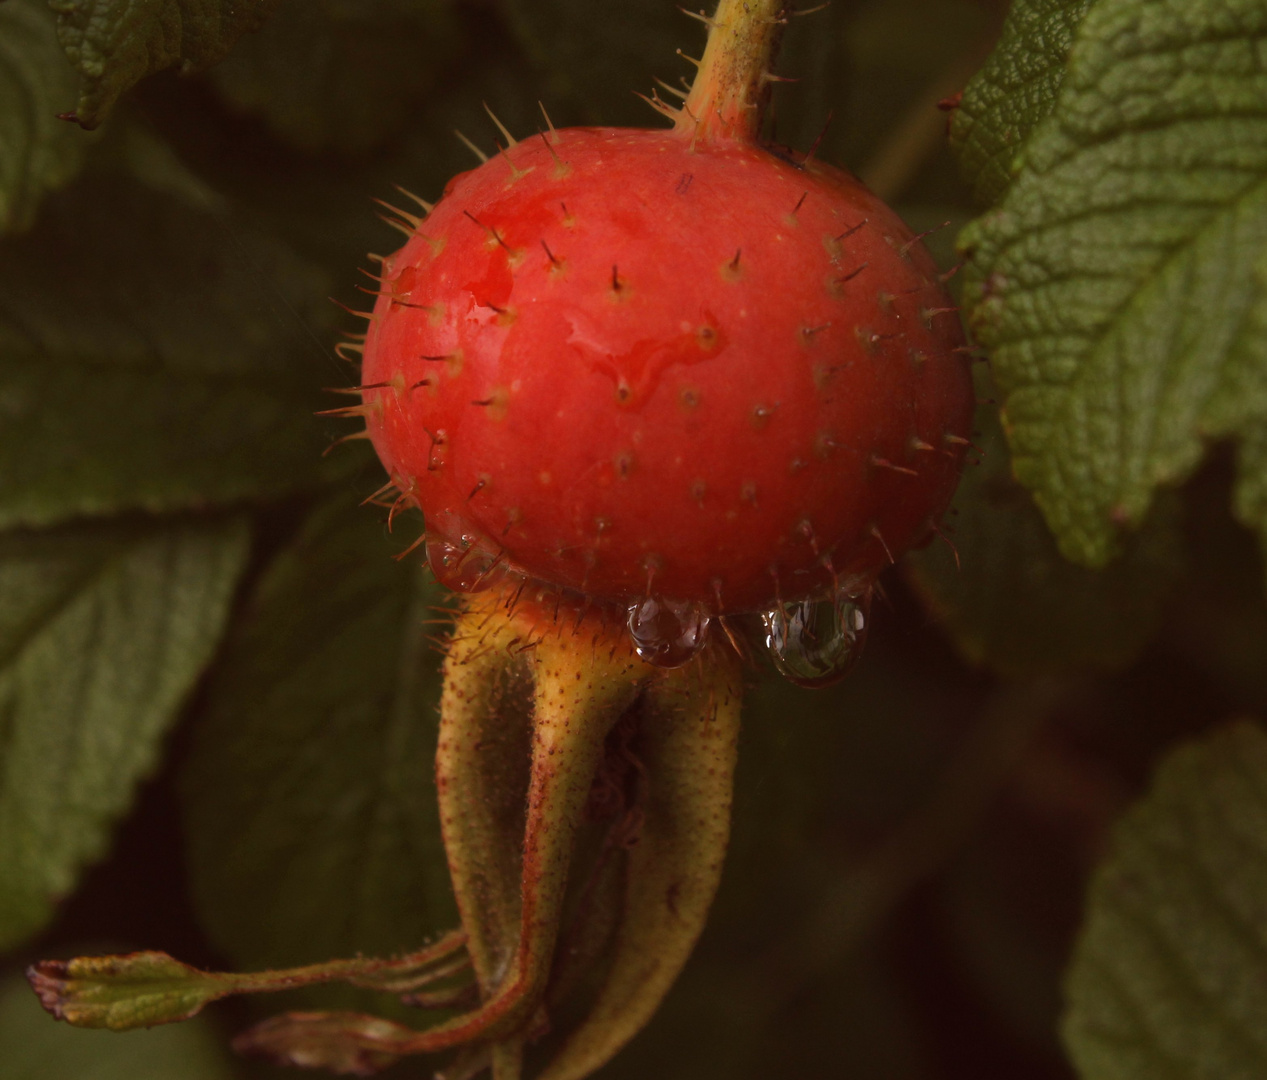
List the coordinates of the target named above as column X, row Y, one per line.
column 730, row 93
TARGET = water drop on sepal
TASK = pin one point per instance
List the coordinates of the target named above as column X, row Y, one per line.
column 467, row 566
column 815, row 642
column 667, row 633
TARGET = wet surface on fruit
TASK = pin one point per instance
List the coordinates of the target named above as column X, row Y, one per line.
column 637, row 369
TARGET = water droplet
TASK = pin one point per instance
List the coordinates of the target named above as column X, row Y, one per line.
column 467, row 566
column 667, row 633
column 817, row 642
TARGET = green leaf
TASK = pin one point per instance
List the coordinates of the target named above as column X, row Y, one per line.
column 1013, row 92
column 1010, row 600
column 122, row 993
column 340, row 74
column 116, row 43
column 309, row 793
column 153, row 355
column 1116, row 283
column 36, row 1047
column 38, row 152
column 1169, row 978
column 103, row 632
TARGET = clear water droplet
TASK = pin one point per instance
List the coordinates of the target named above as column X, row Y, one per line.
column 466, row 566
column 667, row 633
column 817, row 642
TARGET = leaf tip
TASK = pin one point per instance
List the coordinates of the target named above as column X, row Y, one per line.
column 48, row 978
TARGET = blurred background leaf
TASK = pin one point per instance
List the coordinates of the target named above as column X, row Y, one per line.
column 341, row 75
column 591, row 67
column 1170, row 974
column 1013, row 602
column 38, row 152
column 1243, row 405
column 103, row 632
column 143, row 366
column 309, row 795
column 902, row 60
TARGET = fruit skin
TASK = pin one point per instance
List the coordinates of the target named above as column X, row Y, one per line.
column 629, row 363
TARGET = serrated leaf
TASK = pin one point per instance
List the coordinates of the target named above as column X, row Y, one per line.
column 38, row 152
column 1013, row 91
column 1114, row 283
column 1008, row 597
column 116, row 43
column 153, row 355
column 340, row 74
column 103, row 632
column 124, row 992
column 309, row 793
column 1169, row 978
column 36, row 1047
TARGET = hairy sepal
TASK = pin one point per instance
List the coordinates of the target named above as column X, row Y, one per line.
column 583, row 675
column 687, row 747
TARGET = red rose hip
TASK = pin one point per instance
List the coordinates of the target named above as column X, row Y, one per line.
column 635, row 364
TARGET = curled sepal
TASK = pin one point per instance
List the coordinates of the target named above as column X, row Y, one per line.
column 142, row 989
column 550, row 720
column 525, row 680
column 687, row 742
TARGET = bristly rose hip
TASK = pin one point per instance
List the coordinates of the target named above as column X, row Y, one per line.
column 666, row 367
column 634, row 365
